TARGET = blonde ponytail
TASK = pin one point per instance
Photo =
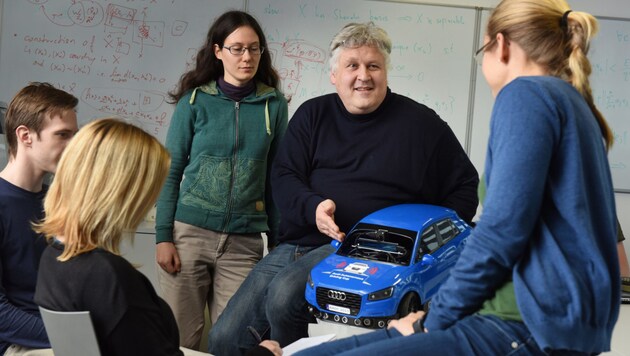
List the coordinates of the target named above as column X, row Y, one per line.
column 554, row 37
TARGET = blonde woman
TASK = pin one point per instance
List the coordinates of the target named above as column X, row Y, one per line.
column 109, row 176
column 540, row 274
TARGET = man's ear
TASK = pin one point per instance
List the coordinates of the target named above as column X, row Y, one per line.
column 24, row 135
column 333, row 80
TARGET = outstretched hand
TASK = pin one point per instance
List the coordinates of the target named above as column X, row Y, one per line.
column 325, row 220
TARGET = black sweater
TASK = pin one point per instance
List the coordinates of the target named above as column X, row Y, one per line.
column 400, row 153
column 128, row 316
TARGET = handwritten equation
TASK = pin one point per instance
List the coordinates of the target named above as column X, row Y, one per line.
column 120, row 58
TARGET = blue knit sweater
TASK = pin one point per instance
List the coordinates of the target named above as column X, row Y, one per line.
column 548, row 222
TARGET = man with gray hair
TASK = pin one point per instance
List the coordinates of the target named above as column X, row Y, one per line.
column 344, row 156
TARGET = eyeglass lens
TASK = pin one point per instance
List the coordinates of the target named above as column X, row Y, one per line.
column 239, row 50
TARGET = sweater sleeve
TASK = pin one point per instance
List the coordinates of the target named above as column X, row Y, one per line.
column 18, row 326
column 273, row 215
column 178, row 142
column 520, row 147
column 291, row 171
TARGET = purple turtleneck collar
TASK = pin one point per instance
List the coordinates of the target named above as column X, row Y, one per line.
column 236, row 93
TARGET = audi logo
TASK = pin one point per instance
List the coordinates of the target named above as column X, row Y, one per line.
column 337, row 295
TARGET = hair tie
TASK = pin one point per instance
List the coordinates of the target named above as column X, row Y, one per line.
column 564, row 22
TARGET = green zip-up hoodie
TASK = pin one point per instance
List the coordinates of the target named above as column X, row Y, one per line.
column 221, row 154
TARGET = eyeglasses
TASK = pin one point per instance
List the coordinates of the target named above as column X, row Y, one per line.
column 239, row 50
column 479, row 54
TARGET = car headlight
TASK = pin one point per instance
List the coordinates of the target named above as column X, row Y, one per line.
column 310, row 281
column 381, row 294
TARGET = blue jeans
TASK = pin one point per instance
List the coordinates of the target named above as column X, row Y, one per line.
column 270, row 298
column 473, row 335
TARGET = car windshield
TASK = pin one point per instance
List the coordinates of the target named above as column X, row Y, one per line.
column 379, row 243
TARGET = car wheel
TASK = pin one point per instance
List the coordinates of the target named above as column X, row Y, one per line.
column 409, row 304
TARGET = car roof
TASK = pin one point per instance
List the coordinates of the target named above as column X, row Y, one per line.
column 408, row 216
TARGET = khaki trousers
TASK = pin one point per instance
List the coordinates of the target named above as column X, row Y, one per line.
column 214, row 265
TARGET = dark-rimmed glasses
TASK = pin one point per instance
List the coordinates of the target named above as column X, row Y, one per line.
column 239, row 50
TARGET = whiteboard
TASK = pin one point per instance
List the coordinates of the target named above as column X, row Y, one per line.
column 610, row 58
column 120, row 58
column 482, row 109
column 431, row 56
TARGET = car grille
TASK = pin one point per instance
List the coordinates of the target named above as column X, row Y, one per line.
column 351, row 301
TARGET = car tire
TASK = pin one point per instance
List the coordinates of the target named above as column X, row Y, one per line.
column 410, row 303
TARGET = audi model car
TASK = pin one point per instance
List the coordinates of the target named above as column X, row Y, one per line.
column 391, row 263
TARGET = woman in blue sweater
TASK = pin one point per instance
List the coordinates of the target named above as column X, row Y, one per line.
column 540, row 273
column 216, row 201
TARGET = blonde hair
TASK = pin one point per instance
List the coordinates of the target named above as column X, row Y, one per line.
column 355, row 35
column 554, row 37
column 108, row 178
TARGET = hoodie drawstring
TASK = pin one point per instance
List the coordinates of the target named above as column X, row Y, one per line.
column 267, row 117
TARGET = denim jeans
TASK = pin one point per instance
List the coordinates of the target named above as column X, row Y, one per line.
column 271, row 298
column 473, row 335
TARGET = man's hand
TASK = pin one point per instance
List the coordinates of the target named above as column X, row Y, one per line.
column 167, row 257
column 405, row 325
column 325, row 220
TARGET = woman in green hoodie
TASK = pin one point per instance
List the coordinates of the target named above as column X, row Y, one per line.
column 216, row 202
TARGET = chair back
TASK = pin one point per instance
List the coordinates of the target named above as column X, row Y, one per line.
column 70, row 333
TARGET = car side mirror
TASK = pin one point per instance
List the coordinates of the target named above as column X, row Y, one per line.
column 427, row 260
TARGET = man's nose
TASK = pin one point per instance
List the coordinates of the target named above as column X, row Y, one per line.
column 364, row 74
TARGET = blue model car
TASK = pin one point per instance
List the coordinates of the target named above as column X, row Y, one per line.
column 390, row 264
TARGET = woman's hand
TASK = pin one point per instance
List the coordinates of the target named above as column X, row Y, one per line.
column 272, row 346
column 167, row 257
column 405, row 325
